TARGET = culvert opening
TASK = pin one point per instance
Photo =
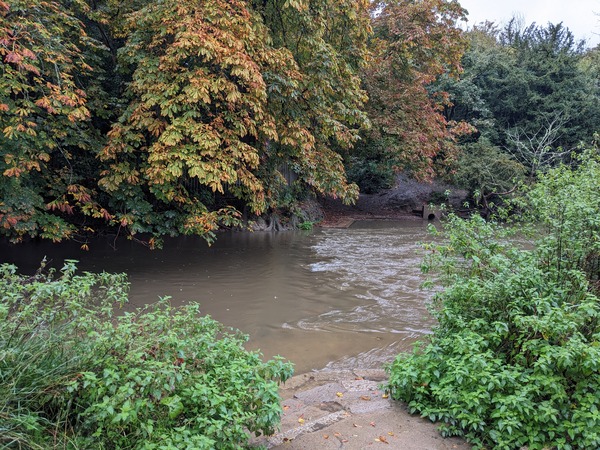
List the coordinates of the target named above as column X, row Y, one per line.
column 431, row 216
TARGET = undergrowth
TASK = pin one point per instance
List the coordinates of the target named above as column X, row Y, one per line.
column 515, row 359
column 73, row 375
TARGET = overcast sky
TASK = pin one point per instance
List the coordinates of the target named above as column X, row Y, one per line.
column 582, row 17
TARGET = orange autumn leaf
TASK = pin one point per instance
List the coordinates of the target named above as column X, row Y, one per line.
column 382, row 440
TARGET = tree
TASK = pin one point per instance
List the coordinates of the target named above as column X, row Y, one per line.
column 415, row 43
column 537, row 150
column 221, row 96
column 483, row 58
column 489, row 174
column 320, row 109
column 526, row 89
column 195, row 117
column 549, row 56
column 192, row 108
column 43, row 118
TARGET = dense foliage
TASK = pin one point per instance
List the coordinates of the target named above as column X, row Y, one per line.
column 156, row 118
column 72, row 375
column 489, row 172
column 175, row 117
column 515, row 359
column 533, row 94
column 171, row 117
column 414, row 43
column 44, row 117
column 522, row 82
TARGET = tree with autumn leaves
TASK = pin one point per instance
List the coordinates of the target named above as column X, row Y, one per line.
column 414, row 43
column 170, row 117
column 44, row 118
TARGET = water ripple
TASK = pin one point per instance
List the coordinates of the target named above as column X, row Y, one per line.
column 380, row 271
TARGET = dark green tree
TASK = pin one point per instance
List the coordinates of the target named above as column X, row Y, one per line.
column 527, row 91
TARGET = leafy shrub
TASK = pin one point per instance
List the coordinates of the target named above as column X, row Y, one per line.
column 371, row 176
column 307, row 225
column 371, row 166
column 515, row 359
column 487, row 172
column 73, row 375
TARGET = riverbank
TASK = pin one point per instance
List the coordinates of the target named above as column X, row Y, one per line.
column 338, row 215
column 348, row 410
column 404, row 201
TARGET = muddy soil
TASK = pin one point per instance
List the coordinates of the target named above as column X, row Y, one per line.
column 406, row 199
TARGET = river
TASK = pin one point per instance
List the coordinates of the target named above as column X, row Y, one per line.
column 324, row 299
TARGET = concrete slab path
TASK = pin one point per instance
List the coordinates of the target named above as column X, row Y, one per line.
column 348, row 410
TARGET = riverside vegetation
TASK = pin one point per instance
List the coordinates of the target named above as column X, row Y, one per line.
column 515, row 359
column 73, row 375
column 150, row 118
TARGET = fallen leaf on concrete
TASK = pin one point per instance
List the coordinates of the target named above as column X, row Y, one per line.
column 385, row 396
column 325, row 436
column 359, row 378
column 390, row 433
column 286, row 407
column 372, row 424
column 301, row 418
column 365, row 397
column 356, row 426
column 336, row 434
column 382, row 440
column 339, row 394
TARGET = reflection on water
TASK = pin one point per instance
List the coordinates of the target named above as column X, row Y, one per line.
column 334, row 298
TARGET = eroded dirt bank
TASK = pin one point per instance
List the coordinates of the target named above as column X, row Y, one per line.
column 405, row 200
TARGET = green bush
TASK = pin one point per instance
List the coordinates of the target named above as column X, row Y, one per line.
column 487, row 173
column 515, row 359
column 371, row 166
column 72, row 375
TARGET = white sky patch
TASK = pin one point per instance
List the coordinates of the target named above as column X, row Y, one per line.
column 582, row 17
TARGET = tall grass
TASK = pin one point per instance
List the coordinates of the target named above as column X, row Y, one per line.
column 42, row 352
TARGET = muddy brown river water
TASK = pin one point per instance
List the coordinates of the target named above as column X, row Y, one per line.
column 324, row 299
